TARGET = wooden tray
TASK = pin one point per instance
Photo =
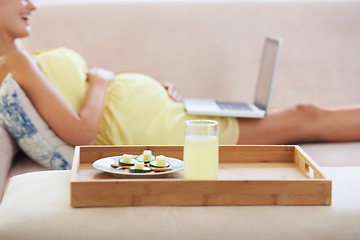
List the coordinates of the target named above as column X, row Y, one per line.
column 248, row 175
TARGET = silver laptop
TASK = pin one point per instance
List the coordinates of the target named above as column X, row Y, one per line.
column 260, row 105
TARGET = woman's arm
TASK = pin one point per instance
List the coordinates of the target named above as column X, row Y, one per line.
column 74, row 128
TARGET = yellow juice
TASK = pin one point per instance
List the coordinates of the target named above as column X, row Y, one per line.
column 201, row 157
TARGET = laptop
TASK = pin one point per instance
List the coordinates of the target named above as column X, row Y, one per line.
column 259, row 107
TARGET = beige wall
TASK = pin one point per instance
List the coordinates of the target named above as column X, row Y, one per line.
column 213, row 48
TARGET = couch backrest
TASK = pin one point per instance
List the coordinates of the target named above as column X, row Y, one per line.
column 213, row 48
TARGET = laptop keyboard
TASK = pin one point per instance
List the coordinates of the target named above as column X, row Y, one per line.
column 226, row 105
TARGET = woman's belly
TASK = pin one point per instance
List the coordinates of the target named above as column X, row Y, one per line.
column 139, row 111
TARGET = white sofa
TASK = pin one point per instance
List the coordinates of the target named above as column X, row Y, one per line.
column 37, row 206
column 208, row 49
column 212, row 49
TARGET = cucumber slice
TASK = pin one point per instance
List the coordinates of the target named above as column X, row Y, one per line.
column 140, row 158
column 144, row 170
column 153, row 164
column 131, row 163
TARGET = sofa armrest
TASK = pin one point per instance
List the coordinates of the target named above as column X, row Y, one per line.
column 8, row 149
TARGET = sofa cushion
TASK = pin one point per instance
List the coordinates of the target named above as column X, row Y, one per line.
column 31, row 133
column 334, row 154
column 46, row 214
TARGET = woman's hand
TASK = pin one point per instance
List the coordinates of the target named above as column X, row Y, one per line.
column 173, row 93
column 99, row 75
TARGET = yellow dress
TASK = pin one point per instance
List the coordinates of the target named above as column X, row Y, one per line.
column 138, row 110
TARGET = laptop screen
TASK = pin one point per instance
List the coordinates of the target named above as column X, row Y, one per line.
column 267, row 72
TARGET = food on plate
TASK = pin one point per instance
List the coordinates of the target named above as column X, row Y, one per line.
column 127, row 160
column 139, row 168
column 114, row 165
column 146, row 156
column 160, row 162
column 143, row 163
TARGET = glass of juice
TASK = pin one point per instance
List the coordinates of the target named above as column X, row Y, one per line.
column 201, row 149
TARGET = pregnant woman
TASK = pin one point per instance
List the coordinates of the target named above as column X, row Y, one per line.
column 95, row 106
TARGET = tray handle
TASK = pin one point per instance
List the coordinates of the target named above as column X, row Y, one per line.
column 306, row 165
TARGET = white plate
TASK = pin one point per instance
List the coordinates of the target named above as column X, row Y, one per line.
column 104, row 164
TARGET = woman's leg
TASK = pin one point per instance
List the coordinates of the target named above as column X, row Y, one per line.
column 302, row 123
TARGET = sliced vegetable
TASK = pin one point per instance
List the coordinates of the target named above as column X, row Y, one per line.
column 154, row 164
column 131, row 163
column 135, row 170
column 140, row 158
